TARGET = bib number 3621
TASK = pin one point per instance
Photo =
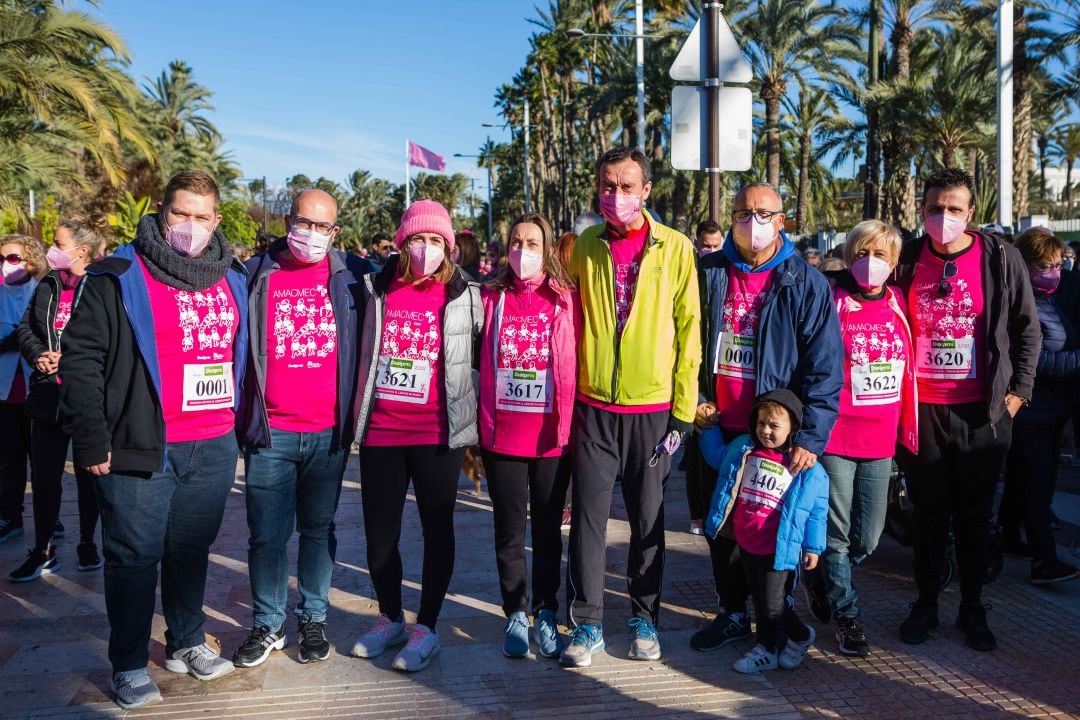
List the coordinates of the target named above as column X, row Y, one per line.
column 207, row 386
column 402, row 379
column 945, row 359
column 528, row 391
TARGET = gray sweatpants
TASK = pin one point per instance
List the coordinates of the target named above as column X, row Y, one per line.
column 607, row 445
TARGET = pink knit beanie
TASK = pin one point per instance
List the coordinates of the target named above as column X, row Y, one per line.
column 425, row 216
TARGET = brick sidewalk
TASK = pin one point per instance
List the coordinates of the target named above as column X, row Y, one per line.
column 53, row 644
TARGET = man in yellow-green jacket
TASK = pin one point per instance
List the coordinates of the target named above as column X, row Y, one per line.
column 639, row 349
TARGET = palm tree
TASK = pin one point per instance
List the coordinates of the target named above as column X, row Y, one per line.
column 808, row 119
column 63, row 92
column 177, row 103
column 787, row 39
column 1068, row 140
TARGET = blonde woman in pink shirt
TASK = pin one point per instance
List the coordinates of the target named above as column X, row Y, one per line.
column 528, row 369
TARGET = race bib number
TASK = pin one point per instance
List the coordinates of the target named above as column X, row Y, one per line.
column 207, row 387
column 945, row 359
column 735, row 356
column 876, row 383
column 528, row 391
column 403, row 380
column 764, row 483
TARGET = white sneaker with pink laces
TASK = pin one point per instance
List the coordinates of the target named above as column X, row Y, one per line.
column 423, row 645
column 383, row 634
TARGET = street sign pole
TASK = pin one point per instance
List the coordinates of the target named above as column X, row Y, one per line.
column 712, row 102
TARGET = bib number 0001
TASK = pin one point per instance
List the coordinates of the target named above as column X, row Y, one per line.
column 207, row 386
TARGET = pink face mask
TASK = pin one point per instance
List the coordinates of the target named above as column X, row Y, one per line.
column 188, row 238
column 13, row 273
column 702, row 252
column 425, row 259
column 308, row 246
column 58, row 259
column 526, row 264
column 870, row 272
column 945, row 229
column 620, row 209
column 751, row 233
column 1046, row 280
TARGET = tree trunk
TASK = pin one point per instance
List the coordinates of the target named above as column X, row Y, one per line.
column 771, row 95
column 679, row 217
column 1068, row 189
column 1022, row 132
column 804, row 184
column 948, row 155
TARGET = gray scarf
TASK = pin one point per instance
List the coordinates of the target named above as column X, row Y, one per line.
column 175, row 270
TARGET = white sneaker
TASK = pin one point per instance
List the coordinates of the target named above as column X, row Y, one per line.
column 201, row 662
column 135, row 688
column 794, row 653
column 384, row 633
column 756, row 660
column 423, row 645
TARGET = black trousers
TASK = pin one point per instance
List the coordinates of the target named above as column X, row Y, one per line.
column 521, row 487
column 607, row 445
column 729, row 577
column 953, row 479
column 48, row 453
column 696, row 467
column 385, row 474
column 1030, row 476
column 774, row 615
column 14, row 452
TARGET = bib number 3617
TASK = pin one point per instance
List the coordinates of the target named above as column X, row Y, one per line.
column 207, row 386
column 528, row 391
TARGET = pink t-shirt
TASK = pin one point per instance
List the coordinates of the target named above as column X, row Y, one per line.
column 626, row 255
column 410, row 395
column 301, row 348
column 875, row 348
column 949, row 365
column 756, row 517
column 63, row 309
column 194, row 332
column 525, row 421
column 734, row 364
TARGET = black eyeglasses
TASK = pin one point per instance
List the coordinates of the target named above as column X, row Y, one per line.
column 304, row 224
column 13, row 258
column 944, row 288
column 762, row 217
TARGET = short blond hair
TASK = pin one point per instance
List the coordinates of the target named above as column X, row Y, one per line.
column 33, row 253
column 869, row 233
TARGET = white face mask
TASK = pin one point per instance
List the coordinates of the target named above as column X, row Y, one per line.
column 526, row 264
column 308, row 246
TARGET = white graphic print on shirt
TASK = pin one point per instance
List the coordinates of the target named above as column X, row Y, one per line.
column 304, row 325
column 206, row 317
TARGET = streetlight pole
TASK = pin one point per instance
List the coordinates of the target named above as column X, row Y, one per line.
column 527, row 189
column 1005, row 112
column 486, row 156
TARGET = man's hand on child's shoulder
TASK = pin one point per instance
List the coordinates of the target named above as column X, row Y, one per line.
column 810, row 560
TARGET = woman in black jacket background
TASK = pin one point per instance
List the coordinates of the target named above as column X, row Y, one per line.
column 76, row 243
column 1031, row 468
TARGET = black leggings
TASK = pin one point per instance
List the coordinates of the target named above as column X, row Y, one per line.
column 776, row 619
column 518, row 485
column 48, row 452
column 15, row 431
column 385, row 473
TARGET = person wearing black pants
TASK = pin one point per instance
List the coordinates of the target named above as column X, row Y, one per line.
column 976, row 332
column 771, row 589
column 14, row 452
column 77, row 242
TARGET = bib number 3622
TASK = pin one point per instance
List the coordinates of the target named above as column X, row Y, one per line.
column 207, row 386
column 528, row 391
column 402, row 379
column 876, row 383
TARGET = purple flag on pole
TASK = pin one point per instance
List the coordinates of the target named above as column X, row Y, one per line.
column 422, row 157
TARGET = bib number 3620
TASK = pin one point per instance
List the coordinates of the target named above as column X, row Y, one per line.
column 207, row 386
column 402, row 379
column 945, row 359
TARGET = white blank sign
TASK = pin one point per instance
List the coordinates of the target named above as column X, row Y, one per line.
column 688, row 136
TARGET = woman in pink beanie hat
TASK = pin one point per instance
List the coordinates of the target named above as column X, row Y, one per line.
column 416, row 415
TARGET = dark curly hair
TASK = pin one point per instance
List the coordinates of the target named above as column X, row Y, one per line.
column 949, row 179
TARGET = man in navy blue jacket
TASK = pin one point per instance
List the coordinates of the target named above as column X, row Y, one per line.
column 296, row 421
column 768, row 322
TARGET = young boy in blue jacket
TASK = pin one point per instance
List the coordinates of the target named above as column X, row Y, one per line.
column 777, row 520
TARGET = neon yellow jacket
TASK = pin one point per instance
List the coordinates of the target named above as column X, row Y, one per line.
column 656, row 361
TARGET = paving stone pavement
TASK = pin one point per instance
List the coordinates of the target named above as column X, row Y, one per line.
column 53, row 636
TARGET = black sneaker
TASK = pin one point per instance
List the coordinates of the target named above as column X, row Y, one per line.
column 10, row 529
column 920, row 621
column 817, row 598
column 724, row 628
column 258, row 646
column 88, row 557
column 58, row 530
column 313, row 643
column 37, row 563
column 972, row 622
column 1044, row 573
column 850, row 637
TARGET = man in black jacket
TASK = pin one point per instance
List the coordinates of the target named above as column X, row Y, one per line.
column 977, row 340
column 151, row 359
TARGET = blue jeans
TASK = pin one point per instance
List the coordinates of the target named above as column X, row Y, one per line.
column 858, row 498
column 172, row 518
column 297, row 479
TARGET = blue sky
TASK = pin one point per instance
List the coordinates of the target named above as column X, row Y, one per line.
column 324, row 87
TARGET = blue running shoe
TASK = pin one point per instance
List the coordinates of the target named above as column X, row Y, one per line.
column 644, row 641
column 546, row 634
column 584, row 641
column 516, row 643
